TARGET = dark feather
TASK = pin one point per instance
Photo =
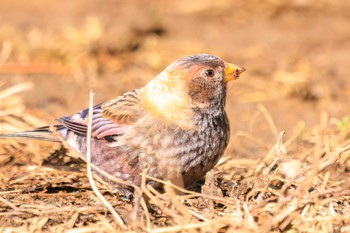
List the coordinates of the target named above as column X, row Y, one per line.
column 42, row 134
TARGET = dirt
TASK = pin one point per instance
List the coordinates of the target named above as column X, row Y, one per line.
column 296, row 54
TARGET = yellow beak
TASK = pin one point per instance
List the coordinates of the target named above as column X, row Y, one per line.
column 232, row 72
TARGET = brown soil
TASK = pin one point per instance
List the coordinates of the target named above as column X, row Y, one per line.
column 296, row 54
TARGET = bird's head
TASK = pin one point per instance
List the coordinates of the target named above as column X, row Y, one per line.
column 193, row 82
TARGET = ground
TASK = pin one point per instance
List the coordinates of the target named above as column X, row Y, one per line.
column 296, row 55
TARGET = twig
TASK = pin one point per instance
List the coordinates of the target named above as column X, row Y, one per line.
column 143, row 202
column 194, row 194
column 269, row 119
column 116, row 216
column 177, row 204
column 279, row 150
column 148, row 219
column 190, row 226
column 15, row 89
column 6, row 202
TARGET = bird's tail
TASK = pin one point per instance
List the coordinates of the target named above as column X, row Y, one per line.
column 43, row 134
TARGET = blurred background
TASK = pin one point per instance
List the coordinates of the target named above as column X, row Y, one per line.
column 296, row 53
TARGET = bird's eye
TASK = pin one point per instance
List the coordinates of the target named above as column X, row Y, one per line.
column 209, row 73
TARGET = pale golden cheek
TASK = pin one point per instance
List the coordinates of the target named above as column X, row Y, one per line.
column 166, row 99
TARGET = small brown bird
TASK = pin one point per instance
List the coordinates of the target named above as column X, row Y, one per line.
column 175, row 127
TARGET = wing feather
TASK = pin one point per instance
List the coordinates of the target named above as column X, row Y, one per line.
column 111, row 118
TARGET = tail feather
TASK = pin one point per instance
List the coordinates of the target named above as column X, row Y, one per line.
column 42, row 134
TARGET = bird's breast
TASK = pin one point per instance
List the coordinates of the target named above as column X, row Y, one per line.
column 209, row 144
column 169, row 152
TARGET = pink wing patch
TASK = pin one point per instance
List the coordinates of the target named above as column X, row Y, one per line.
column 102, row 127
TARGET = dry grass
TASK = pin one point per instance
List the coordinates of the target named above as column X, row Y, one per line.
column 301, row 185
column 268, row 181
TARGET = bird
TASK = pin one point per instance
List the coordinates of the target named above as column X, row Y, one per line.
column 175, row 128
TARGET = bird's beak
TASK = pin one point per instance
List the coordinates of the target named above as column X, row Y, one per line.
column 232, row 72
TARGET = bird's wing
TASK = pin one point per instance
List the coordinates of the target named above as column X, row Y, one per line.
column 109, row 119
